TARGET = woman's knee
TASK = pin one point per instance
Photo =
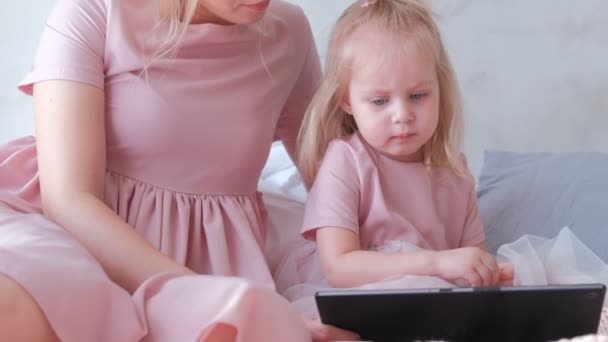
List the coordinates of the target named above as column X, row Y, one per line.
column 20, row 317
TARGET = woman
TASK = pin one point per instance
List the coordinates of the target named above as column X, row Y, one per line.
column 152, row 127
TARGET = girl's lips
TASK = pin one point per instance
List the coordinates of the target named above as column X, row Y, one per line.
column 403, row 137
column 259, row 6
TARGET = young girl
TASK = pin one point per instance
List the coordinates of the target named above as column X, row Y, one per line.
column 132, row 213
column 392, row 196
column 392, row 204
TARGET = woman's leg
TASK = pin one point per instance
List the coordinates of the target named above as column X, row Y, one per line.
column 20, row 317
column 59, row 285
column 51, row 284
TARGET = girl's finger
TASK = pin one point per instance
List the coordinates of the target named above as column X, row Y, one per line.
column 485, row 274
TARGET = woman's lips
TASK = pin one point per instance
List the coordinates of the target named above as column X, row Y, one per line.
column 258, row 6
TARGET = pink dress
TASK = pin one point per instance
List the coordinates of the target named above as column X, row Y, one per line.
column 384, row 200
column 392, row 206
column 186, row 143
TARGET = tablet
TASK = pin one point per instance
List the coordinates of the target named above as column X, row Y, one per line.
column 518, row 313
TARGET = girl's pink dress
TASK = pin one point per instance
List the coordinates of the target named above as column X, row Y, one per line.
column 391, row 205
column 186, row 142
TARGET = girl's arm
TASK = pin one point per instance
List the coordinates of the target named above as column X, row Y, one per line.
column 346, row 265
column 70, row 134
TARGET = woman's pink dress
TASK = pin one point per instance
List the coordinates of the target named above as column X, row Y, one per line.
column 186, row 142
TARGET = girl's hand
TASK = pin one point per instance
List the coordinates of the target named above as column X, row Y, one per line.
column 326, row 333
column 470, row 265
column 506, row 274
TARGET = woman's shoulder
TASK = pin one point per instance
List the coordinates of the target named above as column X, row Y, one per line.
column 93, row 9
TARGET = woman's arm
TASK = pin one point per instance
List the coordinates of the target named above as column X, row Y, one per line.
column 70, row 134
column 346, row 265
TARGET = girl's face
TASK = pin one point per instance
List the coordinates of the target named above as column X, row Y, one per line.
column 228, row 12
column 393, row 95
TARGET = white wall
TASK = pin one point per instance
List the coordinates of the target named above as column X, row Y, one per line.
column 533, row 72
column 20, row 28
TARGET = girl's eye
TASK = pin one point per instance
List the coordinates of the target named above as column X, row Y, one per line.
column 379, row 102
column 417, row 96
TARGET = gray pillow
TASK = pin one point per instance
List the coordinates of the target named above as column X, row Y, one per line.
column 539, row 193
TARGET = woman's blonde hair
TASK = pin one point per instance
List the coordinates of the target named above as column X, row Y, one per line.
column 177, row 14
column 325, row 120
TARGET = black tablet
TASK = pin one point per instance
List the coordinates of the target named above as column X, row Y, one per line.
column 519, row 313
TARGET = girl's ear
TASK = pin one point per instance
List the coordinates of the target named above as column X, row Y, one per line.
column 345, row 104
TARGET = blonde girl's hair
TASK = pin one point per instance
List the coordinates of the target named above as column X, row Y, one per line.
column 325, row 120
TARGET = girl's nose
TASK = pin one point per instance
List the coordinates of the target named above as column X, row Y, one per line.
column 403, row 115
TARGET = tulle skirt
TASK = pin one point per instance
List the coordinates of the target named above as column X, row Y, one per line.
column 563, row 259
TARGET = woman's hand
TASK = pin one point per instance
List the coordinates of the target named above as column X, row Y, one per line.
column 470, row 265
column 325, row 333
